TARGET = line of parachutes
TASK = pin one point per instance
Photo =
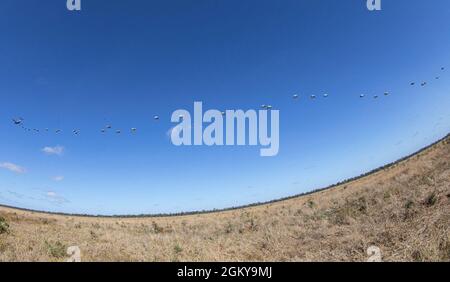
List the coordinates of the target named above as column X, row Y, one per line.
column 20, row 122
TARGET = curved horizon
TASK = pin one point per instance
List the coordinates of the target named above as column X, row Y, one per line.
column 342, row 182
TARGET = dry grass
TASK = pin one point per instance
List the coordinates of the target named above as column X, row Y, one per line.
column 404, row 210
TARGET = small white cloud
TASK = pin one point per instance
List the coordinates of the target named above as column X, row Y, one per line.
column 12, row 167
column 58, row 178
column 53, row 197
column 57, row 150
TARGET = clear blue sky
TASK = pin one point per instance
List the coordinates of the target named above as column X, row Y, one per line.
column 121, row 62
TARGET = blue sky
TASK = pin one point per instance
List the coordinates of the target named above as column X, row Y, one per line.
column 121, row 62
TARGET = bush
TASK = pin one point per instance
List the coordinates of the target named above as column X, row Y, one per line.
column 156, row 228
column 177, row 249
column 229, row 228
column 409, row 204
column 4, row 226
column 56, row 249
column 430, row 200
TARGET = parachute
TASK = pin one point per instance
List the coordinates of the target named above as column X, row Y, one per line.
column 17, row 121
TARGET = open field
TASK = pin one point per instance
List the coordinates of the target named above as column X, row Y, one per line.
column 404, row 210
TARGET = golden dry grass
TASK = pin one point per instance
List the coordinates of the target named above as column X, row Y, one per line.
column 404, row 210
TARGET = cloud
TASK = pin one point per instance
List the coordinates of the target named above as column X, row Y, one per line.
column 20, row 195
column 17, row 195
column 53, row 197
column 57, row 150
column 58, row 178
column 13, row 167
column 51, row 194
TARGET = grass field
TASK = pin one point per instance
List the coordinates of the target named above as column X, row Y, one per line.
column 404, row 210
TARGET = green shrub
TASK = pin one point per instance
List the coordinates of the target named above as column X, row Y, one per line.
column 4, row 226
column 177, row 249
column 56, row 249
